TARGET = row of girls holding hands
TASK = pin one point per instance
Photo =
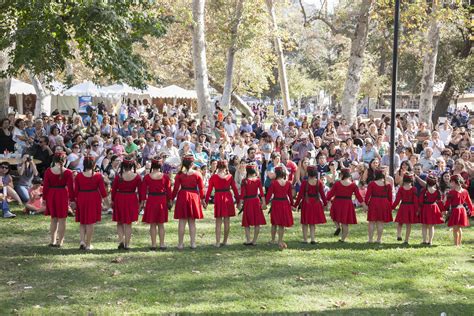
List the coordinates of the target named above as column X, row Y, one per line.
column 154, row 195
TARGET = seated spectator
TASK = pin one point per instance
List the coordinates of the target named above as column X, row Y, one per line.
column 35, row 204
column 26, row 172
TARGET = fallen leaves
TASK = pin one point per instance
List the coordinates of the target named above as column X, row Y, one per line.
column 116, row 273
column 339, row 304
column 11, row 282
column 62, row 297
column 117, row 260
column 196, row 271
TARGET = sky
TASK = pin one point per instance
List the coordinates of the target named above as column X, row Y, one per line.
column 317, row 3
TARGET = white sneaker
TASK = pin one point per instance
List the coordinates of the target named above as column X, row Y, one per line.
column 8, row 214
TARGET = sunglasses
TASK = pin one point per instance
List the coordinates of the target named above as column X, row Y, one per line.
column 95, row 145
column 4, row 167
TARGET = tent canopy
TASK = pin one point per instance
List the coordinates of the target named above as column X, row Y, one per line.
column 120, row 89
column 86, row 88
column 20, row 87
column 174, row 91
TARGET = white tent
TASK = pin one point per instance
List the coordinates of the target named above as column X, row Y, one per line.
column 20, row 87
column 119, row 90
column 86, row 88
column 175, row 92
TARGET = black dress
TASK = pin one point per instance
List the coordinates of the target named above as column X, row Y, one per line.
column 6, row 142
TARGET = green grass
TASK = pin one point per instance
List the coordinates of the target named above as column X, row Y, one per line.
column 330, row 278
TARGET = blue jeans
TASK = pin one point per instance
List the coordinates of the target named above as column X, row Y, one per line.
column 22, row 191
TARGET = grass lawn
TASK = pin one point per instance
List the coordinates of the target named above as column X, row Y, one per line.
column 353, row 278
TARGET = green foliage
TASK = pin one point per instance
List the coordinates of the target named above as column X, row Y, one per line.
column 101, row 34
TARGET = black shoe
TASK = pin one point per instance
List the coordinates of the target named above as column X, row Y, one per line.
column 126, row 248
column 399, row 238
column 314, row 242
column 337, row 232
column 405, row 242
column 163, row 248
column 247, row 243
column 82, row 247
column 121, row 246
column 153, row 248
column 340, row 240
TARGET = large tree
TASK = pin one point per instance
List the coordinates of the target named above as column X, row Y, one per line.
column 42, row 35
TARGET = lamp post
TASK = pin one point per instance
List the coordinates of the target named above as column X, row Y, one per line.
column 394, row 85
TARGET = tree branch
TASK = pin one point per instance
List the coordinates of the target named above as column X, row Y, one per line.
column 319, row 16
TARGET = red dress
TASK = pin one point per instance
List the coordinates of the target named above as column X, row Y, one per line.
column 223, row 201
column 89, row 192
column 281, row 214
column 57, row 191
column 430, row 207
column 251, row 192
column 455, row 201
column 407, row 212
column 156, row 192
column 379, row 200
column 125, row 198
column 189, row 190
column 312, row 199
column 342, row 209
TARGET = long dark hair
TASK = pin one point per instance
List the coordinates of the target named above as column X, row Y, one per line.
column 59, row 158
column 156, row 164
column 187, row 163
column 89, row 163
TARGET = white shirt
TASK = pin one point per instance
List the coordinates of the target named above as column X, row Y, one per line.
column 230, row 129
column 436, row 150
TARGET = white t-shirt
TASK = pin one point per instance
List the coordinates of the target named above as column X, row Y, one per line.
column 436, row 150
column 73, row 157
column 231, row 129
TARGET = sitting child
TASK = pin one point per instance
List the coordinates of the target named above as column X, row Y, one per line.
column 35, row 205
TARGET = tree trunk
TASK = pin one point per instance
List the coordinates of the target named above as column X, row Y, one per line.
column 199, row 59
column 226, row 95
column 43, row 97
column 356, row 63
column 4, row 85
column 237, row 100
column 429, row 69
column 285, row 92
column 445, row 97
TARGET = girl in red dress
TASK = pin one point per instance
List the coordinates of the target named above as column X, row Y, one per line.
column 251, row 203
column 312, row 199
column 430, row 209
column 456, row 198
column 57, row 191
column 379, row 205
column 89, row 190
column 281, row 195
column 340, row 202
column 155, row 194
column 222, row 182
column 125, row 201
column 407, row 213
column 189, row 194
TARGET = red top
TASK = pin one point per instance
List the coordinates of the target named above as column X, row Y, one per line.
column 406, row 196
column 455, row 198
column 279, row 192
column 218, row 183
column 427, row 198
column 83, row 183
column 251, row 187
column 121, row 185
column 317, row 189
column 291, row 167
column 150, row 185
column 188, row 181
column 55, row 180
column 338, row 189
column 376, row 191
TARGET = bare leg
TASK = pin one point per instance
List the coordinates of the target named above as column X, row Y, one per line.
column 82, row 235
column 304, row 227
column 399, row 230
column 459, row 236
column 127, row 228
column 181, row 230
column 379, row 231
column 256, row 231
column 218, row 231
column 161, row 231
column 424, row 233
column 247, row 234
column 12, row 193
column 312, row 229
column 274, row 230
column 153, row 235
column 455, row 235
column 226, row 229
column 371, row 231
column 61, row 230
column 120, row 232
column 431, row 233
column 345, row 231
column 89, row 234
column 281, row 233
column 408, row 232
column 192, row 232
column 53, row 230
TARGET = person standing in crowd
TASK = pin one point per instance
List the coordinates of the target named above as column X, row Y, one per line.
column 342, row 209
column 125, row 201
column 281, row 198
column 379, row 204
column 222, row 183
column 458, row 203
column 252, row 201
column 155, row 194
column 430, row 209
column 89, row 190
column 58, row 189
column 408, row 211
column 311, row 201
column 189, row 194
